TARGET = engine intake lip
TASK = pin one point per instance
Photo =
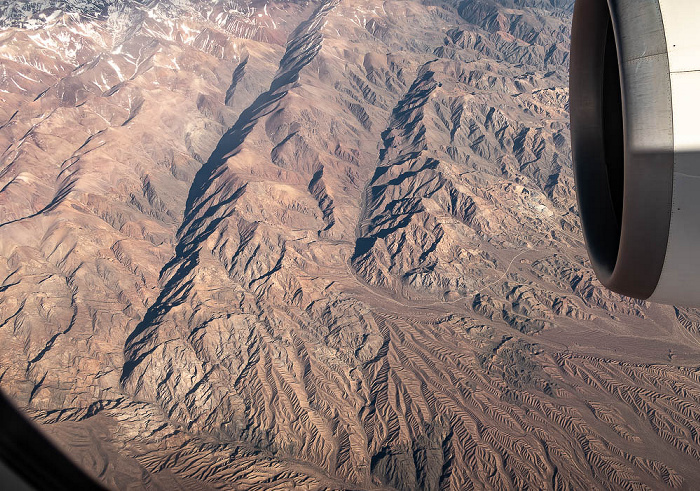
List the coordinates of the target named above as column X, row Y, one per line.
column 622, row 140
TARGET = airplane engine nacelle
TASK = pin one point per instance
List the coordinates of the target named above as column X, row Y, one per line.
column 635, row 130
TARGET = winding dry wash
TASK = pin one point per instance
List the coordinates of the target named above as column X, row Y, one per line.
column 319, row 245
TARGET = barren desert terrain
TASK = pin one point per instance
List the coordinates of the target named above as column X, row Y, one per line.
column 319, row 245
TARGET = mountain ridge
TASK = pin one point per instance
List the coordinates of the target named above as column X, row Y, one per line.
column 323, row 245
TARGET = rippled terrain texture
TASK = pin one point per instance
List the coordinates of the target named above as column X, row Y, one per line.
column 319, row 245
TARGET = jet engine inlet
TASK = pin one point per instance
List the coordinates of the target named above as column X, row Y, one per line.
column 635, row 74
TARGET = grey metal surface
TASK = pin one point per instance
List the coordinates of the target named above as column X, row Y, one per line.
column 628, row 254
column 680, row 279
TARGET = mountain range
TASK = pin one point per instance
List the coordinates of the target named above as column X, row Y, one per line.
column 319, row 245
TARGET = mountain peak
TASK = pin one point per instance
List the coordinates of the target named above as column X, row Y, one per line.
column 36, row 12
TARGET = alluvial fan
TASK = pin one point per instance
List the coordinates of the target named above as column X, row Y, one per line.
column 319, row 245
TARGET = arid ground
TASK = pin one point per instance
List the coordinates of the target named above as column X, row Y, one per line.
column 319, row 245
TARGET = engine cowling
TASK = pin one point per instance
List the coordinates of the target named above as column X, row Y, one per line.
column 635, row 107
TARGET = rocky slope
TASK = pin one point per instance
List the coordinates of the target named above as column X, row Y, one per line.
column 319, row 245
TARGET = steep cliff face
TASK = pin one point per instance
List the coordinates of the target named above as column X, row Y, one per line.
column 319, row 245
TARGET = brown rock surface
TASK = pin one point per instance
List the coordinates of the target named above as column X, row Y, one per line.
column 319, row 245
